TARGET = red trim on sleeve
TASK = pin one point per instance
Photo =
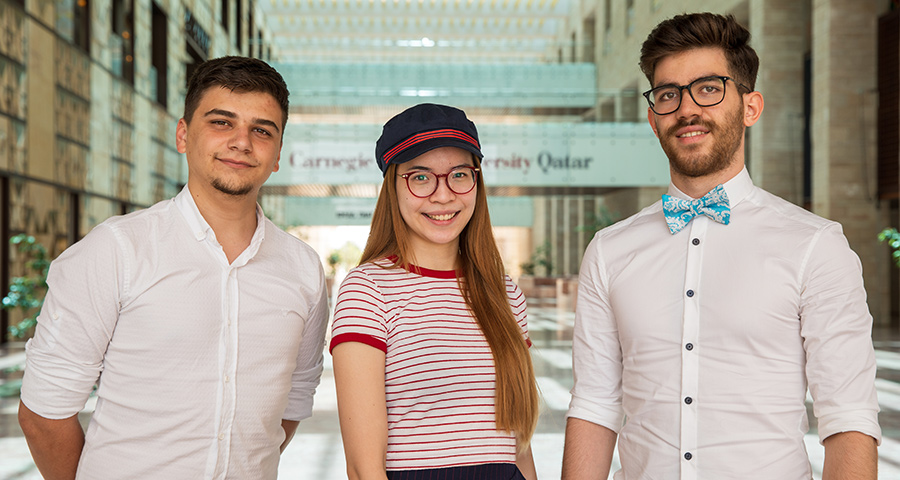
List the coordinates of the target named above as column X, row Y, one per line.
column 360, row 338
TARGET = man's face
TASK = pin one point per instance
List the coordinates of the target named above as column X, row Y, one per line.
column 233, row 141
column 699, row 141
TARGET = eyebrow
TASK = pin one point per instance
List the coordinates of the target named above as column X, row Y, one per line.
column 230, row 114
column 422, row 167
column 694, row 80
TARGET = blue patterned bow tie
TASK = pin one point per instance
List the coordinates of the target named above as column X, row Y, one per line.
column 680, row 212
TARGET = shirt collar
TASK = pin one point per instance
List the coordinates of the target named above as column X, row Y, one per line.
column 201, row 230
column 737, row 188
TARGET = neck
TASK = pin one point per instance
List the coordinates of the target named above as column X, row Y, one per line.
column 696, row 187
column 232, row 218
column 444, row 257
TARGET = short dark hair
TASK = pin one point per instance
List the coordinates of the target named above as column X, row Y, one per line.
column 695, row 30
column 240, row 74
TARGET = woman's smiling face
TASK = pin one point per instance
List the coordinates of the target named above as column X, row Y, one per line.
column 436, row 221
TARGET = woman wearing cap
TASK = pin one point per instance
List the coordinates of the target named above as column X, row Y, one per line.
column 434, row 379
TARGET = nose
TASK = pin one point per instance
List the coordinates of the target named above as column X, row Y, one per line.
column 442, row 193
column 240, row 140
column 688, row 107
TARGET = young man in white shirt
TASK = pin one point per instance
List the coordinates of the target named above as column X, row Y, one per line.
column 202, row 321
column 701, row 323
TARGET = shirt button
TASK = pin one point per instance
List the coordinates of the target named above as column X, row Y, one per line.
column 687, row 455
column 690, row 293
column 696, row 241
column 222, row 437
column 226, row 378
column 689, row 346
column 688, row 400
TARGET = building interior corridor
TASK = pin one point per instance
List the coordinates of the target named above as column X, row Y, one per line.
column 91, row 91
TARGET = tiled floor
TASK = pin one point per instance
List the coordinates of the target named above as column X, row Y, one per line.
column 316, row 451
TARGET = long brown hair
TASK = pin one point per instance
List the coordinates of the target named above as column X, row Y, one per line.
column 483, row 284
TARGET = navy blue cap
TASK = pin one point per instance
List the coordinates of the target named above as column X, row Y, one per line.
column 421, row 128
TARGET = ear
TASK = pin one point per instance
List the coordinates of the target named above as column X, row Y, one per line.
column 652, row 120
column 278, row 158
column 181, row 136
column 753, row 107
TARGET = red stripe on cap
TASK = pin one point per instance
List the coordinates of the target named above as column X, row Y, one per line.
column 421, row 137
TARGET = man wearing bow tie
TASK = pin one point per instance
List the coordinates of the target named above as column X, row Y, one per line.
column 702, row 320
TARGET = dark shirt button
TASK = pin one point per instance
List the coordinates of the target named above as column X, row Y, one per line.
column 687, row 455
column 696, row 241
column 688, row 400
column 689, row 346
column 690, row 293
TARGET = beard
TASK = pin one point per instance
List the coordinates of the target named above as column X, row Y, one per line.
column 691, row 163
column 233, row 190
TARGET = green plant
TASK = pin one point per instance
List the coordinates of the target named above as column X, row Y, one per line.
column 892, row 237
column 540, row 258
column 334, row 258
column 26, row 293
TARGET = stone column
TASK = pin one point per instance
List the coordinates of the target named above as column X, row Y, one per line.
column 780, row 36
column 843, row 138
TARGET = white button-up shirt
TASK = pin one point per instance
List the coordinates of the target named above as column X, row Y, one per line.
column 198, row 360
column 704, row 342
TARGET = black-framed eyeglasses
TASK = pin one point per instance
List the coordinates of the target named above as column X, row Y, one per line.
column 705, row 92
column 422, row 184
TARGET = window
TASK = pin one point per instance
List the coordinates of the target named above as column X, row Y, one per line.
column 223, row 14
column 239, row 27
column 196, row 44
column 73, row 22
column 160, row 53
column 122, row 40
column 252, row 49
column 588, row 26
column 607, row 15
column 629, row 17
column 574, row 57
column 260, row 48
column 888, row 77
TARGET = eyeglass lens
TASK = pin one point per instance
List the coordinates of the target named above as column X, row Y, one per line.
column 706, row 92
column 459, row 180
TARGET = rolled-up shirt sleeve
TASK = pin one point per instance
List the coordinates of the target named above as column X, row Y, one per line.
column 310, row 356
column 837, row 335
column 597, row 356
column 64, row 360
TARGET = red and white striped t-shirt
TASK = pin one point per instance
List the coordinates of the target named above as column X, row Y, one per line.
column 439, row 371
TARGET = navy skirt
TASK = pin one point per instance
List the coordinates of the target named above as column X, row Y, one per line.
column 488, row 471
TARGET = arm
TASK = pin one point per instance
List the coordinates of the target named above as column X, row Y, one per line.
column 525, row 464
column 55, row 444
column 65, row 357
column 310, row 357
column 359, row 380
column 589, row 450
column 850, row 456
column 836, row 330
column 289, row 427
column 596, row 412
